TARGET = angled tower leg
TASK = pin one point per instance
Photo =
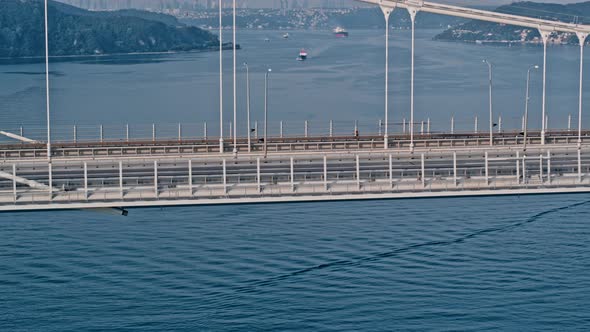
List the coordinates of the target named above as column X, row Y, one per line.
column 582, row 38
column 386, row 13
column 545, row 36
column 413, row 12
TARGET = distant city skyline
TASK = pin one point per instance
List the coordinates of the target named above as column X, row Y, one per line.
column 194, row 4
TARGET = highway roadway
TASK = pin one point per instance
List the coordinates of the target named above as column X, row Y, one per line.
column 130, row 174
column 21, row 151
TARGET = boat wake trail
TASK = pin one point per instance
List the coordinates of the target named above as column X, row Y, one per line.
column 356, row 261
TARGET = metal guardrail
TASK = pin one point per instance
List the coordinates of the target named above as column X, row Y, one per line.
column 225, row 179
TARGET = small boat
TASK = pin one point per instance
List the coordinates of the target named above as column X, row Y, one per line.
column 340, row 32
column 302, row 55
column 286, row 35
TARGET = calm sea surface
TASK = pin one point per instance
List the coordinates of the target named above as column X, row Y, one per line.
column 465, row 264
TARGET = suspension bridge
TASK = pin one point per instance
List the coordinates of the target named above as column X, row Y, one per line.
column 52, row 174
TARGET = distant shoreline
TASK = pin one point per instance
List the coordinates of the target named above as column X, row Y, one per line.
column 113, row 54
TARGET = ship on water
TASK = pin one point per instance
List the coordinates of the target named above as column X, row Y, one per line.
column 302, row 55
column 340, row 32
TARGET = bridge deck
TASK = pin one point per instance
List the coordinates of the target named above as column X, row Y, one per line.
column 173, row 178
column 134, row 148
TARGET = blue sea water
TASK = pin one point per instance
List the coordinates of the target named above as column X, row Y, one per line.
column 464, row 264
column 470, row 264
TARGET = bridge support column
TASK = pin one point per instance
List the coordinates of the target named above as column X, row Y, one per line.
column 517, row 167
column 326, row 173
column 281, row 129
column 391, row 171
column 85, row 180
column 582, row 38
column 258, row 180
column 292, row 175
column 156, row 191
column 549, row 167
column 455, row 179
column 580, row 178
column 190, row 177
column 121, row 179
column 331, row 128
column 256, row 129
column 545, row 36
column 224, row 176
column 541, row 168
column 14, row 182
column 487, row 169
column 358, row 172
column 387, row 14
column 50, row 173
column 423, row 170
column 524, row 172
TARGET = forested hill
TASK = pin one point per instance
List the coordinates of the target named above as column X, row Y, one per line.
column 479, row 31
column 74, row 31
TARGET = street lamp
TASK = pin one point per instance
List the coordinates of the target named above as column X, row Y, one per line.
column 49, row 166
column 235, row 133
column 221, row 148
column 526, row 108
column 490, row 66
column 268, row 71
column 248, row 106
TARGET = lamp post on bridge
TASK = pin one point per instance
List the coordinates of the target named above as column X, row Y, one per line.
column 248, row 106
column 526, row 108
column 49, row 157
column 235, row 133
column 221, row 148
column 268, row 71
column 490, row 66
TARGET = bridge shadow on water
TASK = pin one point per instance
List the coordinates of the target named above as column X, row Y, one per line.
column 254, row 285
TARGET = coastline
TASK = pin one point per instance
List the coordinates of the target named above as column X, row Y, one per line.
column 73, row 56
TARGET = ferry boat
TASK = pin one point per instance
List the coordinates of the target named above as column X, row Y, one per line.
column 286, row 35
column 340, row 32
column 302, row 55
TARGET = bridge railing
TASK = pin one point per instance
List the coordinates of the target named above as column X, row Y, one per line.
column 288, row 128
column 218, row 178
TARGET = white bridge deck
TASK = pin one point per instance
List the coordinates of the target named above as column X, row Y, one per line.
column 170, row 179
